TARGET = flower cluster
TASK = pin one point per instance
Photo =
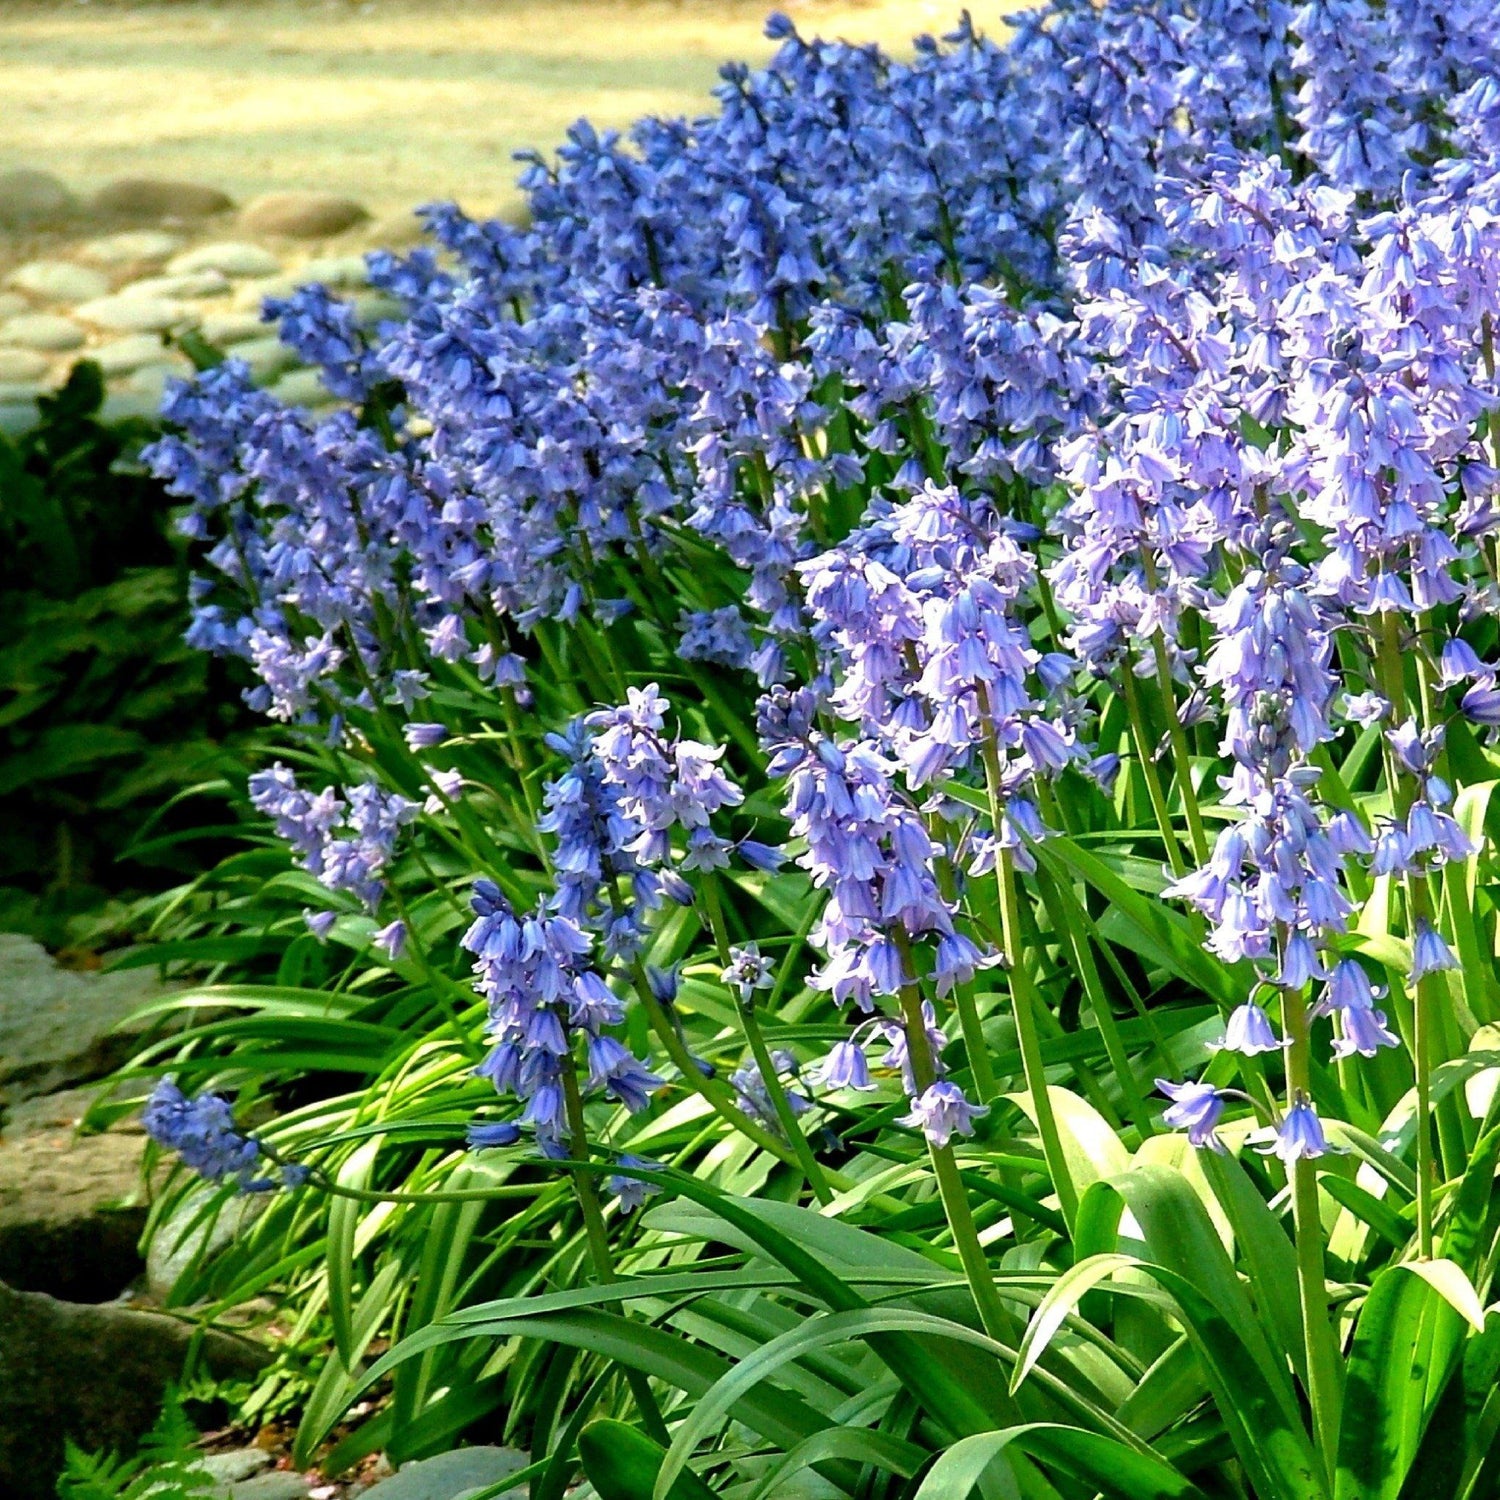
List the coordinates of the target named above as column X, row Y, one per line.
column 203, row 1133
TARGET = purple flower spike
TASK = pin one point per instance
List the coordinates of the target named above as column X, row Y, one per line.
column 942, row 1112
column 1196, row 1108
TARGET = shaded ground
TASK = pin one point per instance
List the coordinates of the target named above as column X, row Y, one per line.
column 393, row 102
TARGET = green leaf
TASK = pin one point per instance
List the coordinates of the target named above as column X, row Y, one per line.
column 1061, row 1300
column 1405, row 1343
column 1121, row 1473
column 622, row 1463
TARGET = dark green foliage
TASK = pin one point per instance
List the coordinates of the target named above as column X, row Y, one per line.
column 105, row 713
column 163, row 1466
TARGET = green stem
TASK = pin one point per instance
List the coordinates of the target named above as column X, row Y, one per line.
column 997, row 1320
column 1317, row 1330
column 597, row 1234
column 1181, row 755
column 1023, row 994
column 714, row 1093
column 1143, row 751
column 780, row 1104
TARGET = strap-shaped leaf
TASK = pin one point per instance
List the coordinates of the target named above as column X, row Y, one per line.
column 1109, row 1466
column 1405, row 1344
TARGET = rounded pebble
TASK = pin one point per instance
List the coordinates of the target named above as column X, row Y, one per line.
column 267, row 356
column 31, row 198
column 374, row 308
column 58, row 281
column 226, row 328
column 12, row 304
column 13, row 392
column 21, row 364
column 301, row 388
column 231, row 258
column 42, row 331
column 154, row 198
column 135, row 314
column 121, row 356
column 17, row 416
column 132, row 247
column 302, row 216
column 335, row 271
column 186, row 284
column 249, row 295
column 151, row 380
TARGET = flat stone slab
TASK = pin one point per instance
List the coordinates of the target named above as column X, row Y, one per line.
column 121, row 356
column 22, row 364
column 180, row 284
column 70, row 1210
column 449, row 1476
column 229, row 258
column 57, row 1026
column 92, row 1374
column 135, row 314
column 41, row 331
column 58, row 281
column 226, row 328
column 131, row 247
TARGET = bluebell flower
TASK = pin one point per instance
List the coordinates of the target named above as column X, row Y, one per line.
column 1196, row 1108
column 632, row 1192
column 391, row 940
column 1430, row 954
column 203, row 1133
column 484, row 1137
column 1300, row 1134
column 1249, row 1031
column 846, row 1066
column 749, row 970
column 941, row 1111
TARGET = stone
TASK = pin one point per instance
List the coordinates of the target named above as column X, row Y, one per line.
column 13, row 392
column 70, row 1209
column 267, row 356
column 395, row 231
column 29, row 200
column 301, row 388
column 41, row 331
column 12, row 305
column 235, row 1464
column 92, row 1374
column 335, row 271
column 118, row 405
column 302, row 216
column 151, row 380
column 21, row 364
column 282, row 1484
column 449, row 1476
column 121, row 356
column 230, row 258
column 131, row 247
column 135, row 314
column 155, row 198
column 184, row 284
column 58, row 1026
column 227, row 328
column 188, row 1237
column 58, row 281
column 374, row 308
column 249, row 295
